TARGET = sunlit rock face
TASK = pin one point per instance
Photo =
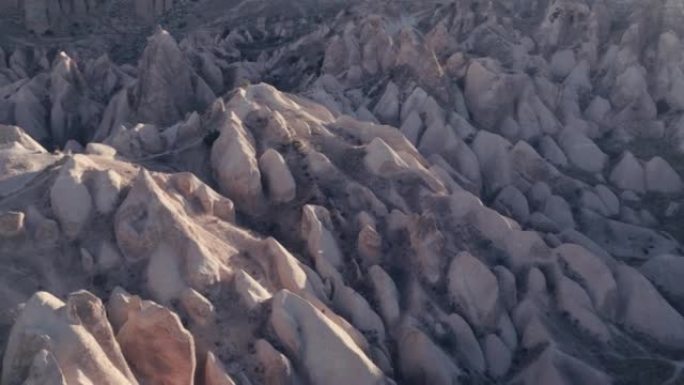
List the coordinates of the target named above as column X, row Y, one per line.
column 341, row 192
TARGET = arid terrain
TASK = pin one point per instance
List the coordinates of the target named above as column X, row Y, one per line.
column 321, row 192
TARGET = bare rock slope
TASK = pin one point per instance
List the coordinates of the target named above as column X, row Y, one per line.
column 371, row 192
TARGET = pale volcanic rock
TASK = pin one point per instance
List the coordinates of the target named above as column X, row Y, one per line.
column 494, row 158
column 661, row 177
column 167, row 86
column 100, row 149
column 474, row 289
column 489, row 93
column 431, row 193
column 215, row 372
column 507, row 286
column 151, row 330
column 70, row 200
column 71, row 109
column 645, row 311
column 381, row 159
column 468, row 347
column 576, row 303
column 628, row 174
column 582, row 152
column 50, row 328
column 387, row 108
column 280, row 183
column 498, row 356
column 421, row 359
column 369, row 245
column 562, row 63
column 44, row 370
column 538, row 193
column 13, row 134
column 512, row 202
column 593, row 201
column 552, row 152
column 250, row 290
column 386, row 294
column 37, row 16
column 317, row 230
column 198, row 307
column 107, row 186
column 356, row 309
column 277, row 368
column 556, row 367
column 325, row 351
column 558, row 210
column 233, row 159
column 149, row 9
column 593, row 274
column 664, row 272
column 598, row 110
column 153, row 224
column 630, row 86
column 12, row 223
column 609, row 199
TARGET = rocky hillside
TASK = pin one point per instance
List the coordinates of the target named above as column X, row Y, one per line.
column 330, row 193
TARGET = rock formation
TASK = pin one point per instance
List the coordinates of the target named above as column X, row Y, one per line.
column 341, row 192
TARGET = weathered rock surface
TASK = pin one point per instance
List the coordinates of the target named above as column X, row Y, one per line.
column 341, row 192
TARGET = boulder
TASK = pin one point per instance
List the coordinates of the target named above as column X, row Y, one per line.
column 386, row 295
column 628, row 174
column 554, row 367
column 538, row 194
column 661, row 177
column 552, row 152
column 100, row 149
column 492, row 151
column 558, row 210
column 574, row 302
column 507, row 287
column 590, row 200
column 593, row 274
column 324, row 351
column 317, row 230
column 665, row 272
column 233, row 159
column 598, row 110
column 490, row 94
column 250, row 290
column 50, row 338
column 11, row 223
column 279, row 181
column 387, row 108
column 610, row 200
column 474, row 290
column 511, row 202
column 70, row 200
column 423, row 361
column 562, row 63
column 381, row 159
column 581, row 151
column 645, row 311
column 107, row 187
column 277, row 368
column 354, row 308
column 467, row 347
column 499, row 357
column 158, row 347
column 215, row 373
column 166, row 87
